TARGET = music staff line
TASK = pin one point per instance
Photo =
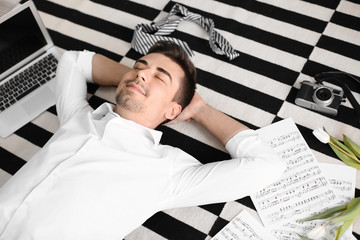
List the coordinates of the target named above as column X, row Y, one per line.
column 289, row 181
column 291, row 210
column 284, row 139
column 292, row 193
column 293, row 150
column 244, row 230
column 341, row 185
column 299, row 161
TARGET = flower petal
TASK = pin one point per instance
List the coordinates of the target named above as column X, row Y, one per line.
column 316, row 233
column 321, row 135
column 303, row 238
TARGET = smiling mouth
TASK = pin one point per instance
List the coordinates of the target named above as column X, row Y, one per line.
column 137, row 88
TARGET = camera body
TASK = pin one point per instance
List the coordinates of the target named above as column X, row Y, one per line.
column 319, row 97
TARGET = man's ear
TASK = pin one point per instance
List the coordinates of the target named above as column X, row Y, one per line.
column 173, row 111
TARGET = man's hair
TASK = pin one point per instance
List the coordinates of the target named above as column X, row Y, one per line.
column 178, row 55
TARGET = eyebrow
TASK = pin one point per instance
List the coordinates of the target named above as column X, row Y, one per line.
column 160, row 69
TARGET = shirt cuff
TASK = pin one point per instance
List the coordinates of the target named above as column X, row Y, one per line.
column 85, row 60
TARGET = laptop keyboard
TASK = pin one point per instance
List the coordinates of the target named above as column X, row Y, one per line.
column 26, row 81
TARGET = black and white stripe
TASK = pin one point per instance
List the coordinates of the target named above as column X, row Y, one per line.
column 280, row 43
column 144, row 39
column 146, row 35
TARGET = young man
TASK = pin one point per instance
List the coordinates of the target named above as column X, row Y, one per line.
column 103, row 173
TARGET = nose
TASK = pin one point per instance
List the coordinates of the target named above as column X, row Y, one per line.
column 142, row 75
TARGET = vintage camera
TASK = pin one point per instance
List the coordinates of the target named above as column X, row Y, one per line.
column 319, row 97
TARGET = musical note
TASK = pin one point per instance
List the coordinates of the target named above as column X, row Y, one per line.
column 299, row 161
column 344, row 184
column 305, row 189
column 302, row 185
column 343, row 187
column 243, row 227
column 295, row 178
column 302, row 206
column 295, row 192
column 284, row 139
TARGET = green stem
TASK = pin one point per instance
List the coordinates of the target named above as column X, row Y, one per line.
column 341, row 213
column 344, row 152
column 327, row 224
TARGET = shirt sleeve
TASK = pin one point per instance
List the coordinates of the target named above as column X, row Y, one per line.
column 73, row 71
column 253, row 166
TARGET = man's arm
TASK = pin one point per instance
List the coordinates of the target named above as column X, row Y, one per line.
column 253, row 166
column 73, row 70
column 106, row 71
column 219, row 124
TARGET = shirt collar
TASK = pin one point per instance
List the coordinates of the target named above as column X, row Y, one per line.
column 106, row 110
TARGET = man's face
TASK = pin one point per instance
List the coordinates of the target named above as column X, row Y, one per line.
column 148, row 90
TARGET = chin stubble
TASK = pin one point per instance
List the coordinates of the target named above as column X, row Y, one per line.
column 124, row 100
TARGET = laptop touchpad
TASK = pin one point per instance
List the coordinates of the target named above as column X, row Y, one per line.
column 41, row 97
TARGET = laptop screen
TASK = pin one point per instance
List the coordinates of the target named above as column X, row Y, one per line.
column 20, row 37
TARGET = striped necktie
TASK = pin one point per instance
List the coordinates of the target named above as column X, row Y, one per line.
column 146, row 35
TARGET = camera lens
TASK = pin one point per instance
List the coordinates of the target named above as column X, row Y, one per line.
column 323, row 96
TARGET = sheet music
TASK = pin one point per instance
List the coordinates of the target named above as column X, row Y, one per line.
column 303, row 190
column 344, row 188
column 343, row 184
column 244, row 227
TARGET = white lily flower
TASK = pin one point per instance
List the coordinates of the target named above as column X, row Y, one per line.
column 316, row 233
column 320, row 134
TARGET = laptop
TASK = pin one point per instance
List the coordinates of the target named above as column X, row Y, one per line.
column 28, row 61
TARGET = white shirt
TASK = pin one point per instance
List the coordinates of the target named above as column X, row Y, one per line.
column 100, row 176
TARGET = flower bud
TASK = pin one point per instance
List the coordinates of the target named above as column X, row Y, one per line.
column 320, row 134
column 316, row 233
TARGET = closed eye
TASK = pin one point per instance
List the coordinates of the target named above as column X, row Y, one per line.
column 137, row 67
column 143, row 63
column 165, row 73
column 161, row 79
column 140, row 62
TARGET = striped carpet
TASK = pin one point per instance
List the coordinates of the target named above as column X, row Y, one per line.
column 280, row 42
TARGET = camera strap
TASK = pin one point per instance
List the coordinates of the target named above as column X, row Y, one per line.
column 334, row 78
